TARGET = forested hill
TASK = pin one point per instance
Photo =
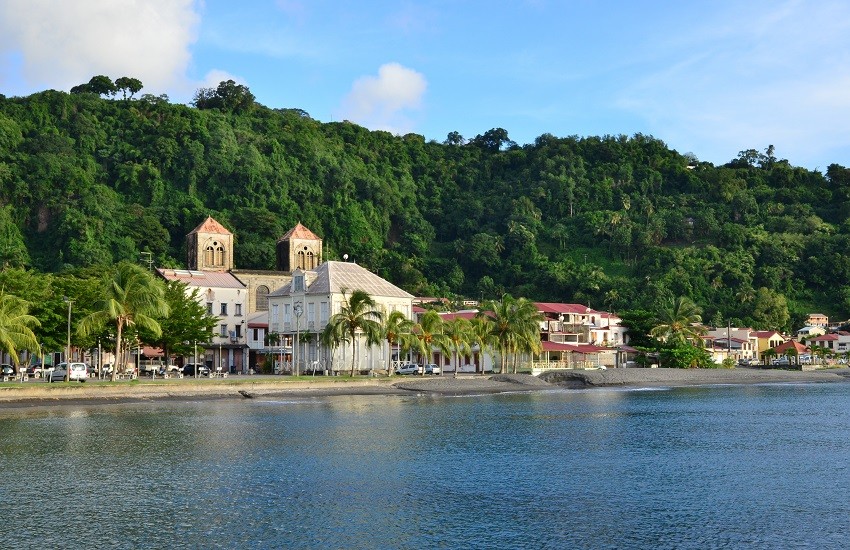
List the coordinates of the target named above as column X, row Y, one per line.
column 616, row 222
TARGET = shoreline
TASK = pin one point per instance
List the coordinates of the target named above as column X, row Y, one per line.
column 37, row 394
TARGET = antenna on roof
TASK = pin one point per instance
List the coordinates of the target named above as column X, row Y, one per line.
column 345, row 257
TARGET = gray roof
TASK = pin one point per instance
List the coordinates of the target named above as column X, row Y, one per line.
column 334, row 277
column 209, row 279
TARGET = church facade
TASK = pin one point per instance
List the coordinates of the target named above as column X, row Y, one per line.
column 239, row 297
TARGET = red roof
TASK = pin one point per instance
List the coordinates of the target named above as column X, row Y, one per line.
column 300, row 232
column 578, row 348
column 782, row 348
column 209, row 225
column 824, row 338
column 459, row 315
column 550, row 307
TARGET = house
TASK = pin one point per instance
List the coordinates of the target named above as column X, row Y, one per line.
column 809, row 331
column 300, row 310
column 836, row 342
column 732, row 342
column 767, row 339
column 818, row 320
column 479, row 361
column 224, row 297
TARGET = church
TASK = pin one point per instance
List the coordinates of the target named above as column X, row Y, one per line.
column 239, row 297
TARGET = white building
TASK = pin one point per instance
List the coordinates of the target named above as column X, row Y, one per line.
column 300, row 310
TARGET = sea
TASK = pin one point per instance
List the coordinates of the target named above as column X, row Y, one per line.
column 739, row 466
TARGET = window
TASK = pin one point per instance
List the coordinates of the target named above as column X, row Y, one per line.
column 223, row 308
column 209, row 308
column 262, row 298
column 274, row 313
column 239, row 330
column 223, row 331
column 298, row 283
column 287, row 313
column 238, row 308
column 311, row 312
column 323, row 312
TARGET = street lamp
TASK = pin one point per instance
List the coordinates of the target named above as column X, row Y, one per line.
column 68, row 346
column 298, row 311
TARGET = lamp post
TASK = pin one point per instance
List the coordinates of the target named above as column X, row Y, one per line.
column 195, row 364
column 298, row 311
column 68, row 346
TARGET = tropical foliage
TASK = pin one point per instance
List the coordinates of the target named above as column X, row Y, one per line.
column 16, row 327
column 132, row 298
column 357, row 316
column 97, row 176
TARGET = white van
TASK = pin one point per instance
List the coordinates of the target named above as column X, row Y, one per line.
column 79, row 372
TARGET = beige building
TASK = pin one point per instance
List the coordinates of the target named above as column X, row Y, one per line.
column 300, row 310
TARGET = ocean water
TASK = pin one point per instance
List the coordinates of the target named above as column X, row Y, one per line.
column 707, row 467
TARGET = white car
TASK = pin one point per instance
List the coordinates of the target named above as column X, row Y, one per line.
column 432, row 369
column 78, row 372
column 408, row 369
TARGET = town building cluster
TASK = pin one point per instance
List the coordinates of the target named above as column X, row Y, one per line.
column 270, row 321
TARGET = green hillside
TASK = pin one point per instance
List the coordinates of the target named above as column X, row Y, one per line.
column 617, row 222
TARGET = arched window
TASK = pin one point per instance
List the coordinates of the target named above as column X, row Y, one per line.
column 311, row 261
column 299, row 261
column 261, row 298
column 209, row 256
column 219, row 255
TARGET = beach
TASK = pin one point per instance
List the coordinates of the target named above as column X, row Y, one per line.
column 37, row 393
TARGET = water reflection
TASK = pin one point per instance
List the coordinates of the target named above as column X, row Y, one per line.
column 690, row 467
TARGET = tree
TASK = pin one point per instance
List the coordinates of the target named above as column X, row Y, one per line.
column 16, row 326
column 186, row 322
column 458, row 333
column 356, row 316
column 126, row 84
column 228, row 96
column 429, row 334
column 677, row 321
column 131, row 298
column 515, row 327
column 397, row 328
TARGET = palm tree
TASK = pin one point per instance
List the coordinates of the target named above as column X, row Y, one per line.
column 429, row 332
column 458, row 333
column 678, row 321
column 481, row 335
column 16, row 326
column 397, row 328
column 357, row 315
column 132, row 298
column 515, row 328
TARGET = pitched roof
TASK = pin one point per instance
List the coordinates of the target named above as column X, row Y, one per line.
column 781, row 348
column 209, row 225
column 300, row 232
column 334, row 277
column 209, row 279
column 549, row 307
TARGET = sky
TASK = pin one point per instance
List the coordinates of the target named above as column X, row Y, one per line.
column 711, row 78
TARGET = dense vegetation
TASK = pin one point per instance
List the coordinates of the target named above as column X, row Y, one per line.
column 617, row 222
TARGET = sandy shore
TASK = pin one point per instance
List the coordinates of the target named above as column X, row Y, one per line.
column 37, row 393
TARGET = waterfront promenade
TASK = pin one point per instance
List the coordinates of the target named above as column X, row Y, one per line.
column 39, row 393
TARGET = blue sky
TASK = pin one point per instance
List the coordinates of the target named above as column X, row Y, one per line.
column 708, row 77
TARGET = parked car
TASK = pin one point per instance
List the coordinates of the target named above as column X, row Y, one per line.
column 38, row 370
column 78, row 372
column 189, row 369
column 407, row 369
column 431, row 368
column 781, row 361
column 7, row 369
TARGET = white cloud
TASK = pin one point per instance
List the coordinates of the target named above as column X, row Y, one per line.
column 383, row 102
column 65, row 43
